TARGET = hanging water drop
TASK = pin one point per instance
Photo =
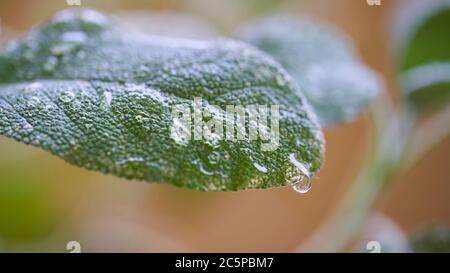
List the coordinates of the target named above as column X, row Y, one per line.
column 299, row 176
column 303, row 184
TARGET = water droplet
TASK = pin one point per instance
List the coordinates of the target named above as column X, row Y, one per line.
column 204, row 171
column 214, row 158
column 298, row 164
column 33, row 101
column 303, row 185
column 130, row 160
column 28, row 128
column 260, row 168
column 280, row 80
column 48, row 107
column 67, row 97
column 299, row 176
column 141, row 118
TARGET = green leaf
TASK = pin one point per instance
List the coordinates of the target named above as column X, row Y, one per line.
column 102, row 99
column 321, row 60
column 427, row 85
column 424, row 58
column 26, row 212
column 436, row 240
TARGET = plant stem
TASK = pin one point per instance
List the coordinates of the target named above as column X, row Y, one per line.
column 381, row 161
column 395, row 148
column 427, row 137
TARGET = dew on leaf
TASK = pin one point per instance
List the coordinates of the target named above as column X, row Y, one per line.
column 260, row 168
column 214, row 158
column 131, row 160
column 280, row 80
column 134, row 75
column 141, row 118
column 67, row 97
column 33, row 101
column 298, row 176
column 28, row 128
column 303, row 185
column 204, row 170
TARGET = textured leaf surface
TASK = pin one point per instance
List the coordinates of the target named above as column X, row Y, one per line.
column 423, row 41
column 101, row 99
column 322, row 62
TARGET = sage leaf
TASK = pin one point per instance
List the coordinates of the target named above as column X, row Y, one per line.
column 321, row 60
column 103, row 99
column 422, row 40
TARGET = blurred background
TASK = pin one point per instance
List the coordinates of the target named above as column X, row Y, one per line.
column 45, row 203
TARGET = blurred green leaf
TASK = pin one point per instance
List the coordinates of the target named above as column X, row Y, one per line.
column 321, row 60
column 25, row 210
column 435, row 240
column 102, row 99
column 427, row 85
column 423, row 46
